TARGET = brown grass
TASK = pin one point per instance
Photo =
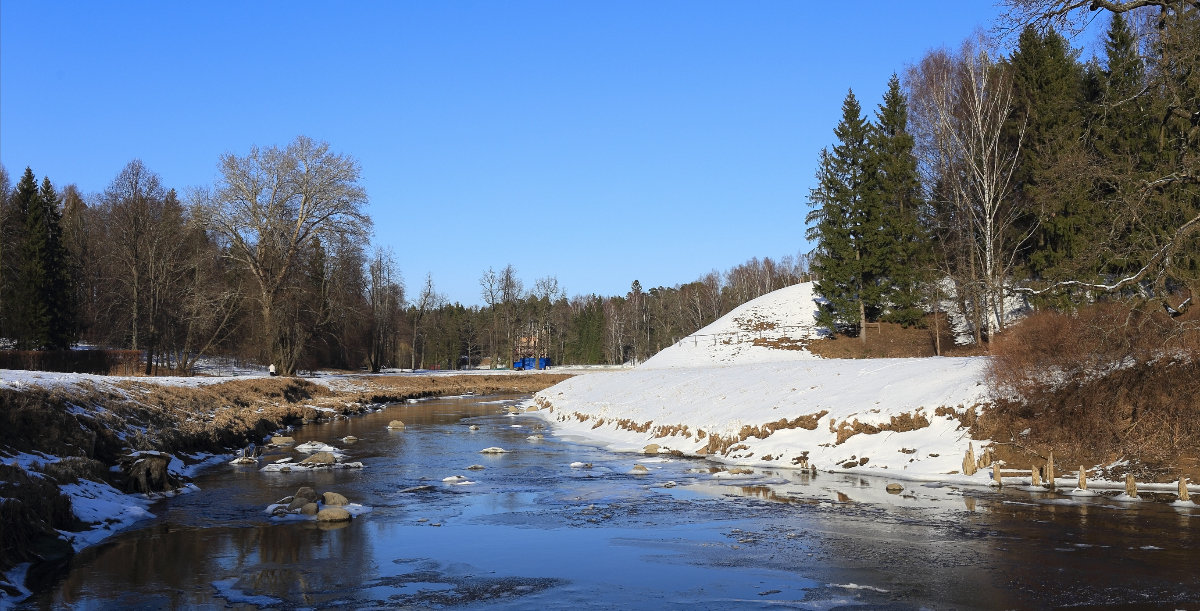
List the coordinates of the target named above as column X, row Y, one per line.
column 891, row 340
column 718, row 444
column 1111, row 381
column 900, row 424
column 94, row 427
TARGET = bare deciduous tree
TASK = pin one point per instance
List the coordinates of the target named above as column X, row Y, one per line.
column 269, row 205
column 960, row 105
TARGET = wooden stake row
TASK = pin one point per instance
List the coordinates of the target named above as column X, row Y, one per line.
column 970, row 467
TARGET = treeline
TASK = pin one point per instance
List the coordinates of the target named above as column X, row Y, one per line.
column 1032, row 180
column 270, row 266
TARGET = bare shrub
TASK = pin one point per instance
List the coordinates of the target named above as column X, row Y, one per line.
column 1108, row 381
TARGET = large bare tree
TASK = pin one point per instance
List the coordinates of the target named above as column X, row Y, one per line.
column 269, row 205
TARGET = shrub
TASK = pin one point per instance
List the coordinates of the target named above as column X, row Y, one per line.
column 1107, row 381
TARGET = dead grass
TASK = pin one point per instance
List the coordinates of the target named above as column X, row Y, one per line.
column 900, row 423
column 718, row 444
column 891, row 340
column 95, row 427
column 1108, row 382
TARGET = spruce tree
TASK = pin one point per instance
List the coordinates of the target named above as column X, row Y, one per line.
column 20, row 303
column 846, row 228
column 895, row 190
column 1048, row 86
column 46, row 279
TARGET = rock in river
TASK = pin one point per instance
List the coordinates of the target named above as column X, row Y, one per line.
column 335, row 500
column 333, row 514
column 320, row 458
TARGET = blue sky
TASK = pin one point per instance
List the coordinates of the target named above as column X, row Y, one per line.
column 595, row 142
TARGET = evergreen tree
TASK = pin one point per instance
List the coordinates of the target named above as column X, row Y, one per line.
column 46, row 317
column 895, row 191
column 846, row 227
column 21, row 296
column 1122, row 139
column 1048, row 86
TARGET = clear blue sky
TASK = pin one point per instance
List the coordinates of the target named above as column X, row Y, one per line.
column 598, row 142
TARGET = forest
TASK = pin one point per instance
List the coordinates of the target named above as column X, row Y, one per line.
column 986, row 183
column 1004, row 184
column 271, row 266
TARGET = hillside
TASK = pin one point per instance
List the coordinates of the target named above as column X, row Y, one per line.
column 747, row 390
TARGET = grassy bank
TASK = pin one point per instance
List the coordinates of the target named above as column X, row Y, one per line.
column 85, row 429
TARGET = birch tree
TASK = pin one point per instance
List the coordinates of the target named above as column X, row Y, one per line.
column 963, row 103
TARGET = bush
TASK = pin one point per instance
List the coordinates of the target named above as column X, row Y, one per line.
column 102, row 362
column 1112, row 380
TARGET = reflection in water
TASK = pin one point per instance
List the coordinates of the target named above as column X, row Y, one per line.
column 534, row 532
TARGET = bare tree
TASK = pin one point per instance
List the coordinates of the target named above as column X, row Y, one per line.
column 427, row 301
column 269, row 205
column 385, row 298
column 489, row 284
column 960, row 106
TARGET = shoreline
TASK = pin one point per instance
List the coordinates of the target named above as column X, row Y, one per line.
column 68, row 445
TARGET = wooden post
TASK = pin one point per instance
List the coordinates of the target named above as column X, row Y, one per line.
column 1183, row 491
column 1035, row 477
column 969, row 461
column 996, row 475
column 1130, row 486
column 1082, row 478
column 1050, row 471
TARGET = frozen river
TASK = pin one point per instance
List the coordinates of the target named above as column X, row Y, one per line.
column 532, row 531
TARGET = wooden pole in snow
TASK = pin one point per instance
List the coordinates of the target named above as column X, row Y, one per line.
column 996, row 477
column 1035, row 477
column 1183, row 491
column 1082, row 478
column 969, row 461
column 1130, row 486
column 1050, row 470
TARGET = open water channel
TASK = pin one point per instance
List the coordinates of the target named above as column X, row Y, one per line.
column 534, row 532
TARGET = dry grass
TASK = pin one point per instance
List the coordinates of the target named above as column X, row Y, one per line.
column 718, row 444
column 900, row 424
column 891, row 340
column 94, row 427
column 1111, row 381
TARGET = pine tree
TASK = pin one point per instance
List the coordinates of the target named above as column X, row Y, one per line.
column 846, row 228
column 895, row 189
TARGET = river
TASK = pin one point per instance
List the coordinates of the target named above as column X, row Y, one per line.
column 533, row 531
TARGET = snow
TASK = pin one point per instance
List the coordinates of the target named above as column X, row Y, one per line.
column 226, row 588
column 108, row 508
column 745, row 370
column 784, row 316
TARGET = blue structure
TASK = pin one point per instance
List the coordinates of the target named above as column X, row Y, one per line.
column 529, row 363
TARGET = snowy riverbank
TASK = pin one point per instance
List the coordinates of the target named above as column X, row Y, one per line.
column 745, row 391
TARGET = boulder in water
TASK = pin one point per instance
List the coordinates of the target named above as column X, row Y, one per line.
column 319, row 458
column 333, row 514
column 334, row 499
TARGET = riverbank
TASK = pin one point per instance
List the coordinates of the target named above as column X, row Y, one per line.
column 748, row 391
column 81, row 456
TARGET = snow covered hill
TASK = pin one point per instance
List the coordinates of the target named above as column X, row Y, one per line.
column 745, row 391
column 775, row 327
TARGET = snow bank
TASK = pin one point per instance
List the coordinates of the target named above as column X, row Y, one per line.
column 755, row 396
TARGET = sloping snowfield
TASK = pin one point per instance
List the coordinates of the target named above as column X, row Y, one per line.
column 748, row 380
